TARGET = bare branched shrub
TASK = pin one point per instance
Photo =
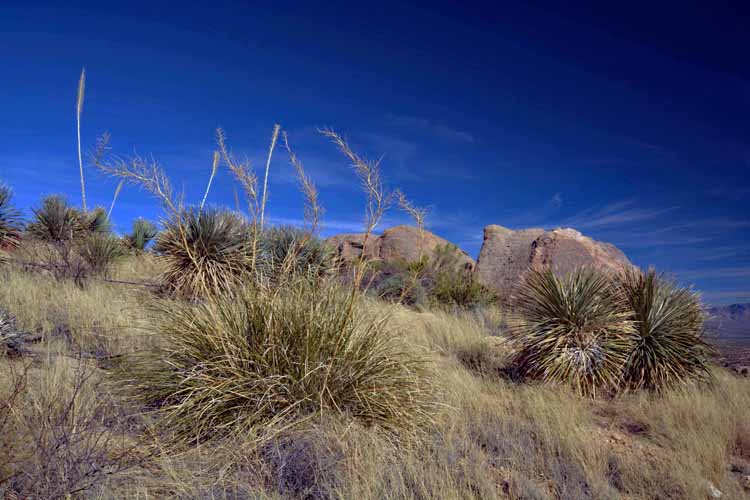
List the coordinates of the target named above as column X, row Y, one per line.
column 58, row 434
column 368, row 172
column 313, row 209
column 378, row 200
column 243, row 173
column 139, row 171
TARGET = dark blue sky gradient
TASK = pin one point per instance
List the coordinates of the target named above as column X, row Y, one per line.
column 630, row 124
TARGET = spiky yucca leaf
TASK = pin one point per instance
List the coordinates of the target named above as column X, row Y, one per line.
column 669, row 350
column 205, row 252
column 141, row 235
column 258, row 360
column 574, row 330
column 56, row 220
column 11, row 222
column 97, row 221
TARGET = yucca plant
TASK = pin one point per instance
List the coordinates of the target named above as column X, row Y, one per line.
column 205, row 252
column 100, row 251
column 290, row 250
column 256, row 361
column 669, row 350
column 97, row 221
column 142, row 234
column 56, row 220
column 573, row 330
column 11, row 222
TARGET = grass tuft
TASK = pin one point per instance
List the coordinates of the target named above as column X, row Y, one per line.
column 255, row 362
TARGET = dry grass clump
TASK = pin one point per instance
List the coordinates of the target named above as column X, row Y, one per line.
column 489, row 438
column 254, row 361
column 575, row 330
column 204, row 252
column 100, row 318
column 669, row 348
column 59, row 431
column 100, row 252
column 294, row 251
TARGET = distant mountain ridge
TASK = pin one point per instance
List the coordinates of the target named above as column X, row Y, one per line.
column 730, row 322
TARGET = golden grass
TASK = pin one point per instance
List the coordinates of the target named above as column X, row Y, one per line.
column 492, row 437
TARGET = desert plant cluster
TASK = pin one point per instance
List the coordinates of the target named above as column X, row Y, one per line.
column 213, row 355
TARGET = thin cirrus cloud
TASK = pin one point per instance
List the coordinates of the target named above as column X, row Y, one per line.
column 615, row 214
column 437, row 129
column 722, row 297
column 740, row 272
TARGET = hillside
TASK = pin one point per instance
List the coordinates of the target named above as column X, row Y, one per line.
column 731, row 323
column 491, row 438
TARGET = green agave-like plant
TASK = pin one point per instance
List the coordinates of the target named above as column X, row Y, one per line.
column 97, row 221
column 206, row 252
column 142, row 234
column 669, row 349
column 573, row 330
column 56, row 220
column 11, row 222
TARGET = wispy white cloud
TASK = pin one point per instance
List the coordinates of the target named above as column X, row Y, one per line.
column 615, row 214
column 436, row 128
column 340, row 226
column 738, row 272
column 556, row 200
column 726, row 297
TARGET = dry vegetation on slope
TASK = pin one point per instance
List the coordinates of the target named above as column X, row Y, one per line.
column 257, row 365
column 490, row 438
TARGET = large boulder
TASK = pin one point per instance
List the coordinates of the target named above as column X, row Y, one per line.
column 506, row 254
column 350, row 246
column 400, row 243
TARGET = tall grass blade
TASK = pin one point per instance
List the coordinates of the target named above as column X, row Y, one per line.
column 79, row 112
column 274, row 138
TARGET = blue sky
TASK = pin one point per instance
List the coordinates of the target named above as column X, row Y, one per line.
column 630, row 125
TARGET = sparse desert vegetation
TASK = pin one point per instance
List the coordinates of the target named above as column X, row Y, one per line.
column 234, row 359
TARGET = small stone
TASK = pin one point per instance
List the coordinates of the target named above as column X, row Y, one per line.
column 745, row 481
column 713, row 490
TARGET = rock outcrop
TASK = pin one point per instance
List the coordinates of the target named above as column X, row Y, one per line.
column 405, row 243
column 507, row 254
